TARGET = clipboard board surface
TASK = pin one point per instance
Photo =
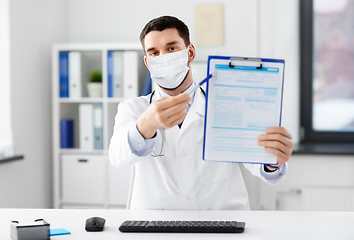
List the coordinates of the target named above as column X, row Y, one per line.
column 243, row 98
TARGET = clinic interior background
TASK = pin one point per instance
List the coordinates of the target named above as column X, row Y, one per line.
column 252, row 28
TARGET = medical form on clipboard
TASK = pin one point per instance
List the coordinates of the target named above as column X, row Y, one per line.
column 243, row 99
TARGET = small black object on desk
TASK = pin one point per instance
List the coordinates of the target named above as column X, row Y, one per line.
column 95, row 224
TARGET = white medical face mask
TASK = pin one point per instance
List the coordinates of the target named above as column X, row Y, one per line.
column 169, row 70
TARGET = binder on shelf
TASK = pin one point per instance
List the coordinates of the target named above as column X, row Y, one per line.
column 110, row 73
column 130, row 74
column 63, row 74
column 86, row 129
column 148, row 85
column 75, row 74
column 98, row 125
column 66, row 133
column 117, row 74
column 115, row 85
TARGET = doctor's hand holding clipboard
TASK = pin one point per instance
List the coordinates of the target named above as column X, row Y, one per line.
column 277, row 141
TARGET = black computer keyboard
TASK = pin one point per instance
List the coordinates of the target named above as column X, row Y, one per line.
column 182, row 226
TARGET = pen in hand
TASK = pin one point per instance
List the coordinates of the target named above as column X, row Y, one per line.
column 201, row 83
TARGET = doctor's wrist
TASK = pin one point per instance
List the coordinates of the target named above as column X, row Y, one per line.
column 145, row 133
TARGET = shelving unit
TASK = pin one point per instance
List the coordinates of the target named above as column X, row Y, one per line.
column 85, row 178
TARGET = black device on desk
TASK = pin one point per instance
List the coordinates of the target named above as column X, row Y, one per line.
column 94, row 224
column 182, row 226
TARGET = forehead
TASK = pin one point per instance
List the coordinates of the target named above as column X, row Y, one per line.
column 159, row 39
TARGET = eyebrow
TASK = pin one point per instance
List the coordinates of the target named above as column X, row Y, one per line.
column 171, row 43
column 150, row 49
column 167, row 44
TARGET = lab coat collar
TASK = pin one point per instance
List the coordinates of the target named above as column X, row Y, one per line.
column 161, row 93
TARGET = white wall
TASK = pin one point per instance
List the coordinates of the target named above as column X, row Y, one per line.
column 279, row 38
column 112, row 20
column 6, row 143
column 34, row 26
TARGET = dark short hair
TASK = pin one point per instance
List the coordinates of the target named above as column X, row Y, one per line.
column 165, row 22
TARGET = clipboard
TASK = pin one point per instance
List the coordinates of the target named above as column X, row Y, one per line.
column 243, row 98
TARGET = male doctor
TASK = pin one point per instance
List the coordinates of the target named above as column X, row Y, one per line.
column 161, row 135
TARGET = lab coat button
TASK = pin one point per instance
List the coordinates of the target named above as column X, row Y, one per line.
column 187, row 198
column 139, row 144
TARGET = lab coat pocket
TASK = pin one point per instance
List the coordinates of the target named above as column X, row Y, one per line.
column 210, row 172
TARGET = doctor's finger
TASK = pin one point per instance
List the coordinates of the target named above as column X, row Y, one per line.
column 276, row 137
column 276, row 145
column 181, row 107
column 177, row 122
column 165, row 117
column 165, row 103
column 174, row 112
column 281, row 157
column 162, row 113
column 280, row 130
column 176, row 118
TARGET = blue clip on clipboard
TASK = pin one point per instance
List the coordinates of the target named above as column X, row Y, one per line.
column 243, row 98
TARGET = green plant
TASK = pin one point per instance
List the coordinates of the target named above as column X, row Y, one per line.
column 96, row 76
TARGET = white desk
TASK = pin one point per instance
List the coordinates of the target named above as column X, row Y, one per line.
column 259, row 225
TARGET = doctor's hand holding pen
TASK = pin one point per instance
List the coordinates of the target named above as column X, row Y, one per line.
column 277, row 141
column 162, row 114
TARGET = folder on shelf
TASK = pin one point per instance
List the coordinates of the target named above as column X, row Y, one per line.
column 98, row 125
column 110, row 73
column 130, row 74
column 86, row 126
column 75, row 74
column 243, row 99
column 63, row 74
column 115, row 74
column 148, row 85
column 66, row 133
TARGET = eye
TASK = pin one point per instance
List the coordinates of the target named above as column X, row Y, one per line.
column 154, row 53
column 171, row 49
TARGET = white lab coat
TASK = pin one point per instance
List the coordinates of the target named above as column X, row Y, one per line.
column 180, row 179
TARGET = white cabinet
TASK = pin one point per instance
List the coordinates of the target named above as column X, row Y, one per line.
column 82, row 179
column 82, row 174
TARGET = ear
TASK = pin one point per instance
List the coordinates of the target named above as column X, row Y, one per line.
column 191, row 53
column 145, row 61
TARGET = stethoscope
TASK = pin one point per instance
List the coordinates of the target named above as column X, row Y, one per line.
column 163, row 135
